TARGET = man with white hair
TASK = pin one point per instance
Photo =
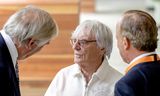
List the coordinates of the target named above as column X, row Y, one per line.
column 91, row 75
column 24, row 34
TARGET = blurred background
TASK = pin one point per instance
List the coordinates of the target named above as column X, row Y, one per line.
column 37, row 71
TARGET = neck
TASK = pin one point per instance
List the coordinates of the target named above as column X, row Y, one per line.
column 89, row 68
column 134, row 55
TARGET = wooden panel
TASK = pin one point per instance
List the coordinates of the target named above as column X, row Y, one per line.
column 48, row 2
column 61, row 45
column 34, row 68
column 87, row 5
column 66, row 19
column 4, row 15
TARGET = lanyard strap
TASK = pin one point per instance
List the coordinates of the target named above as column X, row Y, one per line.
column 150, row 58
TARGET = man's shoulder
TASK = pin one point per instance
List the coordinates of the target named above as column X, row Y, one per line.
column 140, row 72
column 146, row 67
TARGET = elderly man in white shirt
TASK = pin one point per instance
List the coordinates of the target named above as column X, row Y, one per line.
column 91, row 75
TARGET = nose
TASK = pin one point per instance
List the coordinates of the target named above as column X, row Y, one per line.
column 76, row 46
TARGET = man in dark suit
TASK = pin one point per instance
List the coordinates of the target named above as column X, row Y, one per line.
column 25, row 33
column 136, row 34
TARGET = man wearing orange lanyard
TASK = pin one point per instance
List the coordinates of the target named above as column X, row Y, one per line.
column 136, row 34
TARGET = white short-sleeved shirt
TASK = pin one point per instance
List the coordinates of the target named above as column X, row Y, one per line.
column 71, row 82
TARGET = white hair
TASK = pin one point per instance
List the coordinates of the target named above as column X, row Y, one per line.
column 31, row 22
column 102, row 33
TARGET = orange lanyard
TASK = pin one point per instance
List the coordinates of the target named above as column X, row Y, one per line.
column 142, row 60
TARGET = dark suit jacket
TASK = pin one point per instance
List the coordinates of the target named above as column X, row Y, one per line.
column 9, row 85
column 142, row 80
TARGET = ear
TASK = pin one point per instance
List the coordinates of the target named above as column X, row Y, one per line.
column 126, row 43
column 31, row 43
column 103, row 50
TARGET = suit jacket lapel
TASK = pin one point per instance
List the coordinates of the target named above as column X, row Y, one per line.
column 7, row 62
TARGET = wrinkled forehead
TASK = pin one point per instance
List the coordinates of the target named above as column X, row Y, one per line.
column 83, row 31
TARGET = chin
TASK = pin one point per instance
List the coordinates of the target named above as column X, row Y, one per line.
column 77, row 61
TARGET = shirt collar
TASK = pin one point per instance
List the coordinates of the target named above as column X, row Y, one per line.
column 149, row 58
column 142, row 55
column 11, row 47
column 77, row 70
column 100, row 73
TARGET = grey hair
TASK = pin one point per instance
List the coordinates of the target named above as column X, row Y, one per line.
column 101, row 32
column 140, row 28
column 31, row 22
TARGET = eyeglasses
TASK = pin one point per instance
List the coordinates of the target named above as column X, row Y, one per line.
column 81, row 42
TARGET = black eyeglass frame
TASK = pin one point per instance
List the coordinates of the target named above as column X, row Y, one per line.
column 81, row 42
